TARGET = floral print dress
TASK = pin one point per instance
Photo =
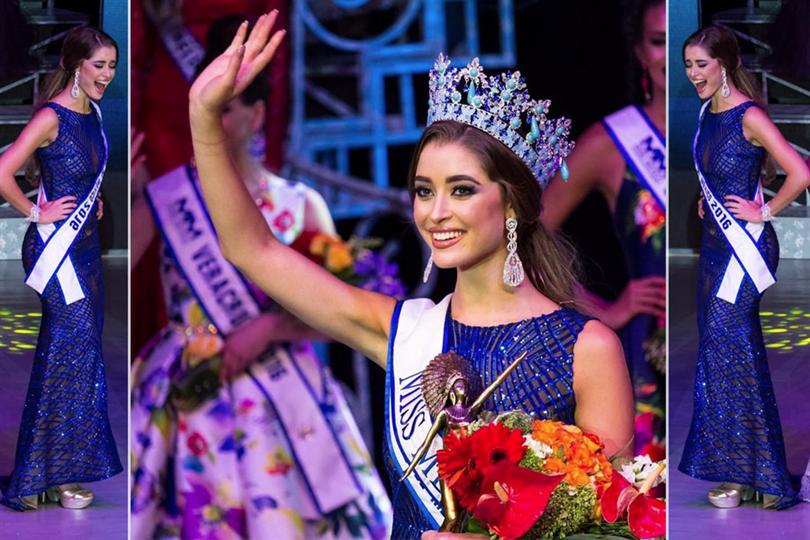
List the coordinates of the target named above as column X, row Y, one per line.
column 213, row 461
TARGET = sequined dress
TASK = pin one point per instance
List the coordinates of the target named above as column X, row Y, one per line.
column 735, row 435
column 543, row 384
column 65, row 434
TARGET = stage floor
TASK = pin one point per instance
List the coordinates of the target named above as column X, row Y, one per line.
column 786, row 322
column 106, row 518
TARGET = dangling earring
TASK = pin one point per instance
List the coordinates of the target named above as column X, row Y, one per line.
column 725, row 91
column 512, row 268
column 428, row 268
column 74, row 91
column 645, row 85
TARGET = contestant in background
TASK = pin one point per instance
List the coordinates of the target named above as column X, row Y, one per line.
column 467, row 188
column 623, row 158
column 65, row 434
column 735, row 436
column 238, row 430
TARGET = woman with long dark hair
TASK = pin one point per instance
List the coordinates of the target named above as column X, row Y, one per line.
column 735, row 436
column 65, row 434
column 476, row 202
column 623, row 158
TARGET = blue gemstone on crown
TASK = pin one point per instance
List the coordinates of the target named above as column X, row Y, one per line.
column 501, row 106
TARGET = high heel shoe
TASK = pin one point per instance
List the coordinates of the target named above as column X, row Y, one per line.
column 32, row 502
column 71, row 496
column 730, row 495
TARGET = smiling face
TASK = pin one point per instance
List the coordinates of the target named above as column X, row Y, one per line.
column 652, row 50
column 458, row 209
column 703, row 71
column 98, row 71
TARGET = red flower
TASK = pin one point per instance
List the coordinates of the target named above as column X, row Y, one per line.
column 457, row 468
column 646, row 516
column 514, row 499
column 197, row 444
column 494, row 444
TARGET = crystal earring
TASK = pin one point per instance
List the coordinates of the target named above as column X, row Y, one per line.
column 74, row 91
column 513, row 274
column 725, row 91
column 428, row 268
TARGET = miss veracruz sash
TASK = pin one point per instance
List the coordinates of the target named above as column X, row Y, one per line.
column 224, row 295
column 417, row 336
column 55, row 256
column 643, row 149
column 746, row 258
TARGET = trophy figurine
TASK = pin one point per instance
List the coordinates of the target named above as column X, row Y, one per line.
column 452, row 391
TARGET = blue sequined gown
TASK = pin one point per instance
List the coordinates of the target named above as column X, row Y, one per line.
column 735, row 435
column 65, row 435
column 543, row 384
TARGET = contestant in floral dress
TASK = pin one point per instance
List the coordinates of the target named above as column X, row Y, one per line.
column 471, row 194
column 238, row 429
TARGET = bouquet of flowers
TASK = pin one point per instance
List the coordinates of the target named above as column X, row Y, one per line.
column 519, row 477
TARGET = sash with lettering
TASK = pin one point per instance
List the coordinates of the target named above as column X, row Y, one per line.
column 224, row 295
column 746, row 258
column 55, row 256
column 417, row 336
column 180, row 43
column 643, row 149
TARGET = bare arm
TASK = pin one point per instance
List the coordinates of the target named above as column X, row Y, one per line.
column 142, row 230
column 358, row 318
column 604, row 395
column 592, row 165
column 761, row 131
column 40, row 131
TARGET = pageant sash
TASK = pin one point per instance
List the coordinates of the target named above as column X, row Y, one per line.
column 643, row 149
column 417, row 337
column 182, row 46
column 55, row 257
column 182, row 218
column 746, row 256
column 325, row 468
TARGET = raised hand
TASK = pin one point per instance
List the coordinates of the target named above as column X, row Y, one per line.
column 100, row 208
column 57, row 210
column 232, row 71
column 701, row 211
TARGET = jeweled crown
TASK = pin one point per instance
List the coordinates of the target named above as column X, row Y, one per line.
column 501, row 106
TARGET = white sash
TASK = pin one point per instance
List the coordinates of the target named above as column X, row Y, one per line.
column 182, row 46
column 55, row 258
column 643, row 149
column 324, row 467
column 417, row 336
column 182, row 218
column 746, row 258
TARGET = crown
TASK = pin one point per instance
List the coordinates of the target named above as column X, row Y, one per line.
column 501, row 106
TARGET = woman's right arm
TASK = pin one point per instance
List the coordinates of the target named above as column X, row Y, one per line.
column 41, row 130
column 358, row 318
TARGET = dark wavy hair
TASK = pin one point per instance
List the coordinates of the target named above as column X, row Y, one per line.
column 634, row 13
column 550, row 263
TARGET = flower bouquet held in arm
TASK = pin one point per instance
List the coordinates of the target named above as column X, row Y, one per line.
column 512, row 476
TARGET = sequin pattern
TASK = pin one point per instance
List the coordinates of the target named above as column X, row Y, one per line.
column 542, row 384
column 735, row 435
column 65, row 433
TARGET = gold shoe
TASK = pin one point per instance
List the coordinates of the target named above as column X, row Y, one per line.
column 727, row 495
column 71, row 496
column 32, row 502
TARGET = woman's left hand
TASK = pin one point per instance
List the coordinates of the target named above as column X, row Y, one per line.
column 243, row 346
column 744, row 209
column 99, row 209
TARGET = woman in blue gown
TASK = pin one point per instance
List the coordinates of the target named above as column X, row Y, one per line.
column 735, row 436
column 468, row 189
column 65, row 434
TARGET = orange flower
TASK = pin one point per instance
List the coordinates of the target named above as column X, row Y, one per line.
column 320, row 242
column 338, row 257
